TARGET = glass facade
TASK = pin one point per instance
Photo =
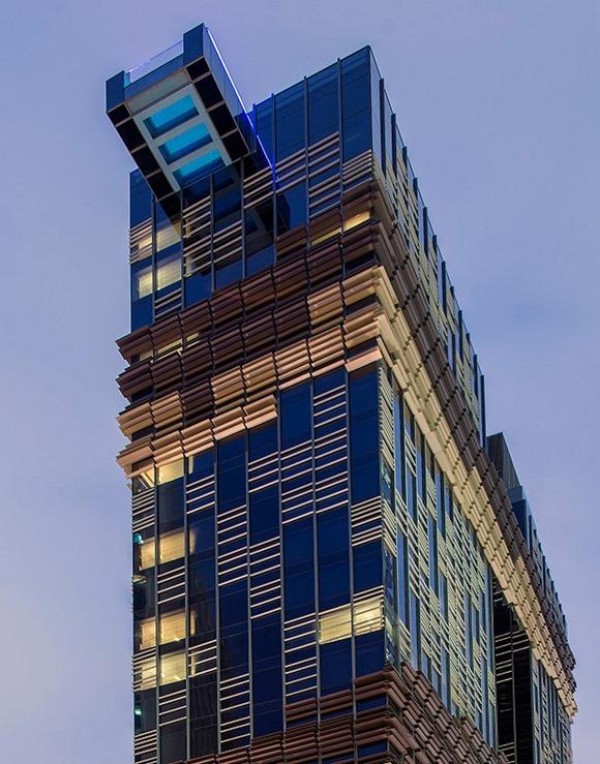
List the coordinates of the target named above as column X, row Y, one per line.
column 307, row 453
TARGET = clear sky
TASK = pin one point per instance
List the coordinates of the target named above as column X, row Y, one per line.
column 498, row 103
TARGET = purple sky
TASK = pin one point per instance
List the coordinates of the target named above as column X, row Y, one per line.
column 498, row 103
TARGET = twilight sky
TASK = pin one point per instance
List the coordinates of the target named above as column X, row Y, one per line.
column 498, row 103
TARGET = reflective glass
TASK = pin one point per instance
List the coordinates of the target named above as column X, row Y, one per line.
column 289, row 120
column 323, row 104
column 171, row 116
column 184, row 143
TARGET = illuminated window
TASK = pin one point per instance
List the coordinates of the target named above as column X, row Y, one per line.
column 145, row 673
column 147, row 633
column 356, row 220
column 168, row 234
column 168, row 271
column 169, row 472
column 337, row 624
column 368, row 615
column 171, row 546
column 334, row 625
column 142, row 283
column 172, row 668
column 146, row 551
column 172, row 627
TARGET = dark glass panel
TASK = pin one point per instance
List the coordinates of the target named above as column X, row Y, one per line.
column 368, row 566
column 262, row 441
column 334, row 558
column 264, row 126
column 140, row 199
column 203, row 715
column 197, row 287
column 336, row 666
column 292, row 208
column 144, row 705
column 296, row 415
column 231, row 473
column 323, row 104
column 173, row 743
column 369, row 653
column 364, row 436
column 356, row 104
column 201, row 532
column 264, row 514
column 170, row 501
column 289, row 121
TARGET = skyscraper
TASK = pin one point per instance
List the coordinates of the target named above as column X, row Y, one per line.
column 332, row 563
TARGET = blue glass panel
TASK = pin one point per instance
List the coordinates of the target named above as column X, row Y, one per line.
column 233, row 602
column 202, row 165
column 299, row 568
column 433, row 553
column 170, row 505
column 181, row 145
column 201, row 465
column 292, row 208
column 323, row 104
column 289, row 120
column 171, row 116
column 368, row 566
column 231, row 472
column 364, row 436
column 356, row 104
column 201, row 532
column 264, row 127
column 415, row 630
column 264, row 514
column 228, row 273
column 296, row 418
column 369, row 653
column 336, row 666
column 334, row 558
column 262, row 441
column 402, row 564
column 197, row 287
column 140, row 199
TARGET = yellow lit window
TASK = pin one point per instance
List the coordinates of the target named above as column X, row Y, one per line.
column 147, row 633
column 145, row 673
column 147, row 553
column 169, row 234
column 171, row 546
column 172, row 627
column 171, row 471
column 168, row 271
column 334, row 625
column 172, row 668
column 368, row 615
column 356, row 220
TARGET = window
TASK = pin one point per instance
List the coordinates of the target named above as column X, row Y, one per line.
column 336, row 666
column 172, row 627
column 146, row 631
column 171, row 546
column 172, row 668
column 141, row 280
column 144, row 673
column 168, row 271
column 291, row 208
column 168, row 472
column 335, row 624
